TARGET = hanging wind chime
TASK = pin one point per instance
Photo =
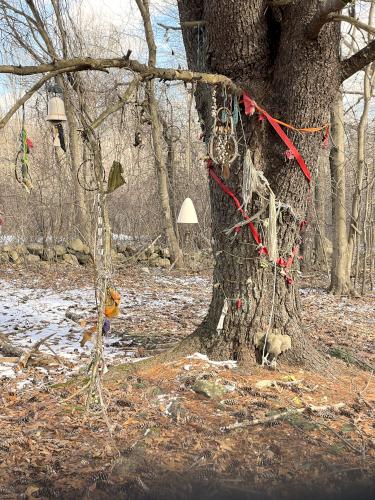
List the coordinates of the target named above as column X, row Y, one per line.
column 56, row 115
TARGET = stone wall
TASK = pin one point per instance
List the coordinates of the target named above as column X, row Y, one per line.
column 76, row 252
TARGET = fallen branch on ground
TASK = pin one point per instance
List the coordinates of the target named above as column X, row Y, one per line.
column 278, row 416
column 24, row 359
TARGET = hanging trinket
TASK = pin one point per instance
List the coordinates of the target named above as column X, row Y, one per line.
column 223, row 146
column 22, row 162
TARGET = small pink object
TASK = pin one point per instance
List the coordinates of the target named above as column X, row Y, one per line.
column 29, row 143
column 289, row 154
column 261, row 117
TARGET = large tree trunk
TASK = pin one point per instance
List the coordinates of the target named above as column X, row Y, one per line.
column 295, row 79
column 340, row 271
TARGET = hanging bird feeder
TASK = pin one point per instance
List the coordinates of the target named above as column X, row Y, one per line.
column 56, row 109
column 187, row 214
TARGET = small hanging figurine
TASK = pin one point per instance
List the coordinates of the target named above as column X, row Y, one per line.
column 112, row 303
column 111, row 310
column 22, row 170
column 137, row 139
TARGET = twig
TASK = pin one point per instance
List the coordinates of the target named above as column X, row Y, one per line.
column 367, row 384
column 26, row 355
column 284, row 414
column 142, row 250
column 345, row 441
column 55, row 355
column 82, row 389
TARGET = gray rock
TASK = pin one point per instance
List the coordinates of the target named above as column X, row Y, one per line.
column 13, row 255
column 130, row 251
column 149, row 251
column 59, row 250
column 120, row 257
column 70, row 259
column 121, row 247
column 48, row 254
column 141, row 257
column 159, row 262
column 7, row 248
column 76, row 245
column 83, row 258
column 4, row 257
column 210, row 389
column 164, row 253
column 154, row 256
column 21, row 249
column 32, row 259
column 35, row 249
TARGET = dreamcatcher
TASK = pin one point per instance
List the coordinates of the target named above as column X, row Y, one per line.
column 21, row 169
column 222, row 146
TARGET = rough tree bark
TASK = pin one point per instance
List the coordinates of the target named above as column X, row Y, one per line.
column 268, row 52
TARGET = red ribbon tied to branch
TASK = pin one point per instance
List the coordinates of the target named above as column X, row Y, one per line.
column 250, row 105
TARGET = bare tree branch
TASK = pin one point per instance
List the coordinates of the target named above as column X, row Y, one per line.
column 351, row 20
column 60, row 24
column 27, row 96
column 41, row 27
column 325, row 7
column 185, row 24
column 99, row 64
column 118, row 105
column 358, row 61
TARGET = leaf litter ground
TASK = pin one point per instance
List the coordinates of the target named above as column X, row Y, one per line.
column 167, row 440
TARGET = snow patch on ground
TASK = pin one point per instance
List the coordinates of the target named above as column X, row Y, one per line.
column 7, row 371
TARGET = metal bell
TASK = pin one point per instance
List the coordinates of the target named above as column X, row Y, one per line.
column 56, row 110
column 187, row 213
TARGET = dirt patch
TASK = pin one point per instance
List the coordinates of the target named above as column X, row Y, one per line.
column 168, row 440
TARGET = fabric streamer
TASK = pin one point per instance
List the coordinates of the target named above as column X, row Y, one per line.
column 272, row 250
column 272, row 228
column 116, row 178
column 247, row 185
column 227, row 191
column 250, row 107
column 224, row 312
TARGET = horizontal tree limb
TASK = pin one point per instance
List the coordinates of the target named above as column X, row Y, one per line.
column 358, row 61
column 351, row 20
column 99, row 64
column 279, row 416
column 27, row 96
